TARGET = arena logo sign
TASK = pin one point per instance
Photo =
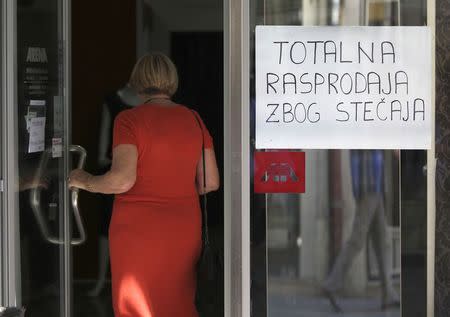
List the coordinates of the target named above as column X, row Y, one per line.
column 37, row 55
column 343, row 87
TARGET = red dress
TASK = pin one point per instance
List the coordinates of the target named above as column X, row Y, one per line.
column 155, row 231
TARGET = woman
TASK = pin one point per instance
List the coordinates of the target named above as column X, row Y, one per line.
column 156, row 174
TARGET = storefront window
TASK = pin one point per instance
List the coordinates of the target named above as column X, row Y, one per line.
column 355, row 241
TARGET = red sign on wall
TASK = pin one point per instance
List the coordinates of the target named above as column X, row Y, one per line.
column 279, row 172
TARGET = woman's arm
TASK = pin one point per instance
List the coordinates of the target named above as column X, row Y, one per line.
column 212, row 173
column 119, row 179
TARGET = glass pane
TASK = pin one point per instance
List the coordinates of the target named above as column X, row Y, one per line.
column 41, row 166
column 356, row 240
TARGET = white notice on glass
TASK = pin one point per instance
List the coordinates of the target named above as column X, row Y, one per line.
column 38, row 102
column 57, row 148
column 343, row 87
column 37, row 135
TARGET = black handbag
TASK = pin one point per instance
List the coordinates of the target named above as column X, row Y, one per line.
column 209, row 293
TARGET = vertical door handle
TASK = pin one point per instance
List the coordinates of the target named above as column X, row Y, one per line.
column 35, row 200
column 74, row 197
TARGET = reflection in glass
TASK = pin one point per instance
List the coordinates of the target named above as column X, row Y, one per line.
column 352, row 242
column 367, row 177
column 318, row 241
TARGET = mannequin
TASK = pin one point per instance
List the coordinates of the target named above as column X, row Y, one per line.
column 123, row 99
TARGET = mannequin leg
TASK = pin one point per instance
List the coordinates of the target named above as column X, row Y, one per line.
column 361, row 224
column 103, row 264
column 390, row 296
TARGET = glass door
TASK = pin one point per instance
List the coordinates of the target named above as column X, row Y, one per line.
column 43, row 214
column 41, row 169
column 334, row 250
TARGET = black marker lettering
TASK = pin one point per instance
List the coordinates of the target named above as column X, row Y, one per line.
column 277, row 78
column 332, row 82
column 356, row 103
column 331, row 52
column 378, row 110
column 287, row 82
column 422, row 109
column 318, row 82
column 304, row 53
column 286, row 112
column 376, row 81
column 281, row 49
column 389, row 47
column 398, row 82
column 363, row 79
column 341, row 54
column 343, row 111
column 387, row 92
column 303, row 111
column 306, row 83
column 275, row 105
column 366, row 111
column 399, row 110
column 315, row 48
column 361, row 50
column 316, row 113
column 407, row 112
column 346, row 75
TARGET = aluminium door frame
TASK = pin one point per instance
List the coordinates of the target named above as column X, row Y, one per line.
column 237, row 158
column 2, row 228
column 431, row 168
column 10, row 239
column 66, row 24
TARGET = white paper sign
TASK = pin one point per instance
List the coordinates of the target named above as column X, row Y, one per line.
column 57, row 148
column 343, row 87
column 37, row 135
column 38, row 102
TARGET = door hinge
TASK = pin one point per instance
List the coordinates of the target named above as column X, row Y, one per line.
column 2, row 187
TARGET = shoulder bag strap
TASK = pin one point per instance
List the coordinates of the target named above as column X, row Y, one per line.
column 205, row 210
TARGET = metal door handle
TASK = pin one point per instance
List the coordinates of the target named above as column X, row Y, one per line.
column 35, row 199
column 74, row 197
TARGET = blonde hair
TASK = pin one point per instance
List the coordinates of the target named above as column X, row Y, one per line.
column 154, row 73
